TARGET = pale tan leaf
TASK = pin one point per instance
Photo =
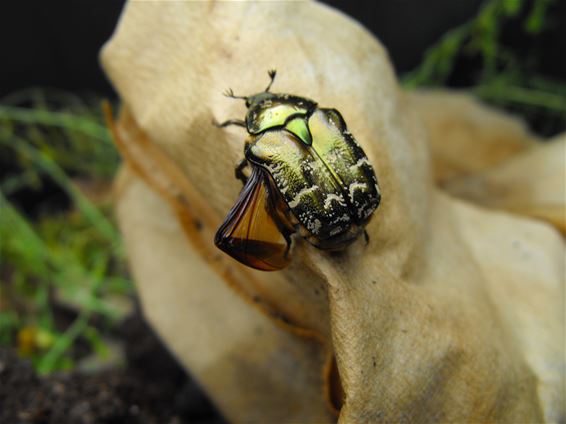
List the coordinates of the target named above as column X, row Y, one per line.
column 452, row 312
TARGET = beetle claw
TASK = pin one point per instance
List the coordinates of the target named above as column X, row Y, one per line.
column 272, row 73
column 230, row 93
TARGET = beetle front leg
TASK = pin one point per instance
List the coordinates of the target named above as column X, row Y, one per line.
column 237, row 122
column 239, row 171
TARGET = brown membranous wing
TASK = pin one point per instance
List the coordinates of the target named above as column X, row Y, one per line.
column 253, row 232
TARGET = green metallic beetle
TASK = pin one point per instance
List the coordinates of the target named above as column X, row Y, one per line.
column 303, row 172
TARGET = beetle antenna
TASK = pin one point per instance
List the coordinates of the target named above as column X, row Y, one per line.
column 230, row 93
column 272, row 73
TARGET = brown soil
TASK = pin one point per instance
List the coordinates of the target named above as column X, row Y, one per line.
column 153, row 388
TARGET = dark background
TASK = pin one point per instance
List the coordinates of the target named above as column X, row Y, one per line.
column 56, row 43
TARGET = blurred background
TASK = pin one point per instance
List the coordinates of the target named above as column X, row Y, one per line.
column 73, row 345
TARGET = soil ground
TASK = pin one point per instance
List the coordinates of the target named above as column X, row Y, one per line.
column 152, row 388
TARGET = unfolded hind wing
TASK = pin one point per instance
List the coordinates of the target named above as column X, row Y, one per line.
column 250, row 233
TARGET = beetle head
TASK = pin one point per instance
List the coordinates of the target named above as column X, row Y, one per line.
column 265, row 94
column 259, row 97
column 256, row 99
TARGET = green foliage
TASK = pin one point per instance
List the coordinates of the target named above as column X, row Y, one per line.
column 505, row 76
column 535, row 22
column 72, row 256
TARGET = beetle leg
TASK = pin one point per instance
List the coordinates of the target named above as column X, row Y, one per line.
column 237, row 122
column 366, row 236
column 230, row 93
column 239, row 172
column 272, row 73
column 287, row 236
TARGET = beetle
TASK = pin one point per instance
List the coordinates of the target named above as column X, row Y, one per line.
column 303, row 172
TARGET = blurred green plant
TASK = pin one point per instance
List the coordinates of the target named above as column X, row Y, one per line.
column 71, row 256
column 505, row 77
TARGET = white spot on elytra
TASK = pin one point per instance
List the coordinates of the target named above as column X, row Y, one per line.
column 335, row 231
column 274, row 168
column 336, row 197
column 359, row 163
column 284, row 187
column 314, row 226
column 297, row 199
column 344, row 217
column 353, row 187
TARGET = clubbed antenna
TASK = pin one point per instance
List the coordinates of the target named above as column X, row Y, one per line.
column 230, row 93
column 272, row 73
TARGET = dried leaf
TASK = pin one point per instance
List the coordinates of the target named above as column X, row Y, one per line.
column 465, row 136
column 450, row 313
column 531, row 184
